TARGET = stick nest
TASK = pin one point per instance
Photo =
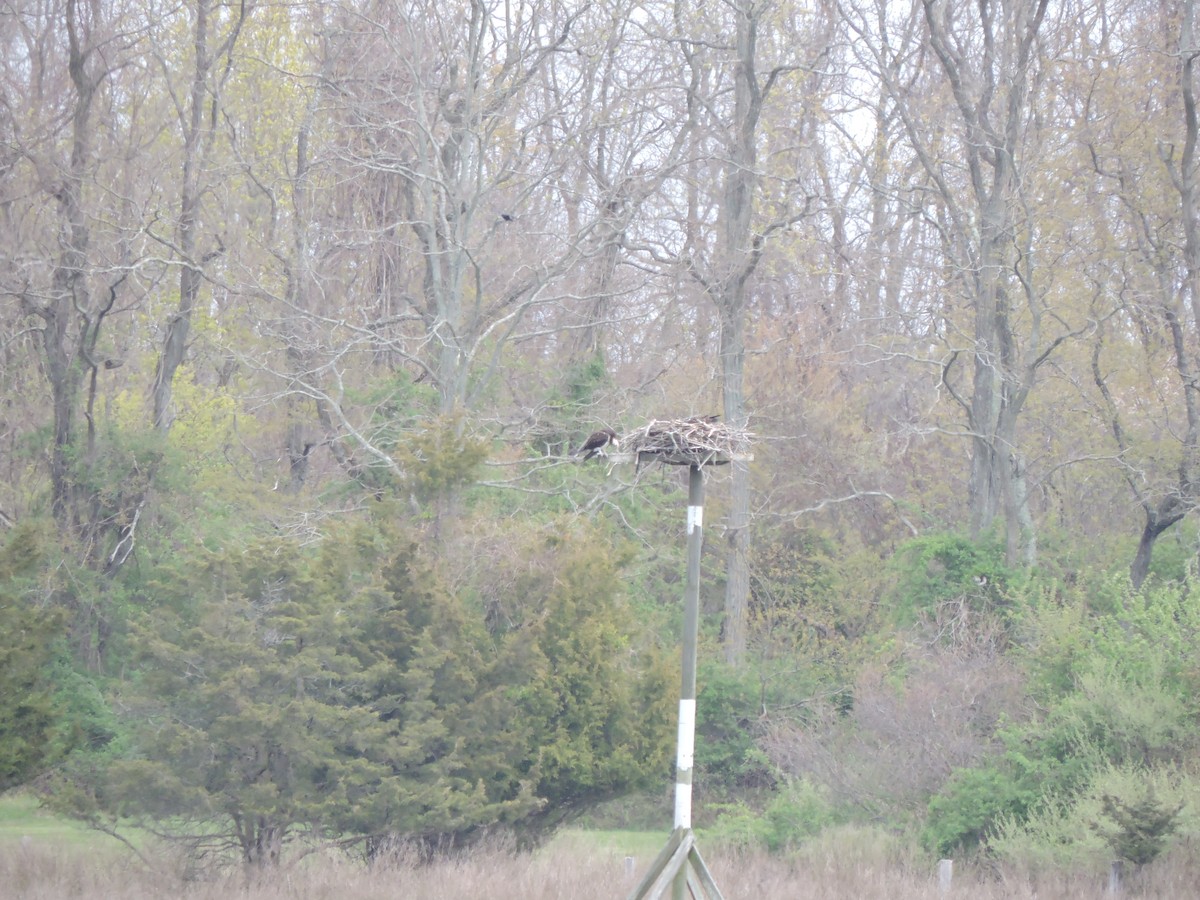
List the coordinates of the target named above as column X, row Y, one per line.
column 698, row 441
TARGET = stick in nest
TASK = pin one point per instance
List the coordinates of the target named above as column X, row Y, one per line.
column 696, row 441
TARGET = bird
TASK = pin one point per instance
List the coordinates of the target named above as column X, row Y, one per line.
column 597, row 443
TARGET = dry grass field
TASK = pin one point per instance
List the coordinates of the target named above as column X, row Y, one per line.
column 46, row 858
column 36, row 870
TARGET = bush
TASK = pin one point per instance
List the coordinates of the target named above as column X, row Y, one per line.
column 965, row 812
column 1140, row 828
column 797, row 812
column 35, row 727
column 1108, row 720
column 1119, row 813
column 932, row 570
column 940, row 718
column 728, row 725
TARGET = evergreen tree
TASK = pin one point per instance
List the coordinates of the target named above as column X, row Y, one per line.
column 277, row 694
column 32, row 732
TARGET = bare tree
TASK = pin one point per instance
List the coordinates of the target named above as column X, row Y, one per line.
column 198, row 113
column 944, row 717
column 470, row 201
column 82, row 292
column 447, row 146
column 722, row 255
column 1156, row 279
column 990, row 60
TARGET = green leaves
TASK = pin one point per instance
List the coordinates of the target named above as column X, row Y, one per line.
column 943, row 567
column 274, row 692
column 1115, row 690
column 31, row 724
column 1142, row 826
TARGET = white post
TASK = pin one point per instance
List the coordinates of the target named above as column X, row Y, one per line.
column 1114, row 877
column 945, row 875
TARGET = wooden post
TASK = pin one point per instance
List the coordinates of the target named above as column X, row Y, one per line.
column 1114, row 877
column 686, row 744
column 685, row 750
column 945, row 875
column 679, row 867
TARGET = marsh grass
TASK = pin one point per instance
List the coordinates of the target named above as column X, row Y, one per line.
column 831, row 869
column 43, row 857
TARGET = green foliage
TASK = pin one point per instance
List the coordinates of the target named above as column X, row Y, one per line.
column 241, row 707
column 32, row 724
column 396, row 403
column 585, row 379
column 792, row 603
column 440, row 458
column 1174, row 553
column 1108, row 720
column 273, row 691
column 729, row 707
column 570, row 409
column 796, row 812
column 1117, row 689
column 1121, row 810
column 933, row 569
column 124, row 464
column 595, row 706
column 1142, row 825
column 91, row 724
column 419, row 650
column 963, row 815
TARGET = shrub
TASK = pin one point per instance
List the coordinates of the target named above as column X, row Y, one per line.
column 1119, row 812
column 1141, row 827
column 937, row 568
column 798, row 811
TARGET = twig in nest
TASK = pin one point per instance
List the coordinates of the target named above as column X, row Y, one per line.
column 699, row 441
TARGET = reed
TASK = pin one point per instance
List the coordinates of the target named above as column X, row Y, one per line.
column 39, row 871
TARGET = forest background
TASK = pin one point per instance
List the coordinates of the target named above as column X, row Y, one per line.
column 306, row 304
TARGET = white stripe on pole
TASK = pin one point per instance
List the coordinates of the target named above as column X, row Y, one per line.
column 687, row 735
column 695, row 518
column 683, row 763
column 683, row 805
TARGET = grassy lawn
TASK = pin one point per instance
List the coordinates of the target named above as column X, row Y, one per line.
column 21, row 817
column 641, row 844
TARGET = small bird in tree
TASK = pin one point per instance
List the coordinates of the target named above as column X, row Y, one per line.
column 598, row 443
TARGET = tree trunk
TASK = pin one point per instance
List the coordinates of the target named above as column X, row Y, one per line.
column 1157, row 521
column 738, row 255
column 299, row 275
column 992, row 124
column 65, row 362
column 1171, row 510
column 737, row 569
column 197, row 132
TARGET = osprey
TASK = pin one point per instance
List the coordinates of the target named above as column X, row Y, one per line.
column 596, row 444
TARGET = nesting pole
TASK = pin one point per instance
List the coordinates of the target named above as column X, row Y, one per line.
column 695, row 443
column 686, row 745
